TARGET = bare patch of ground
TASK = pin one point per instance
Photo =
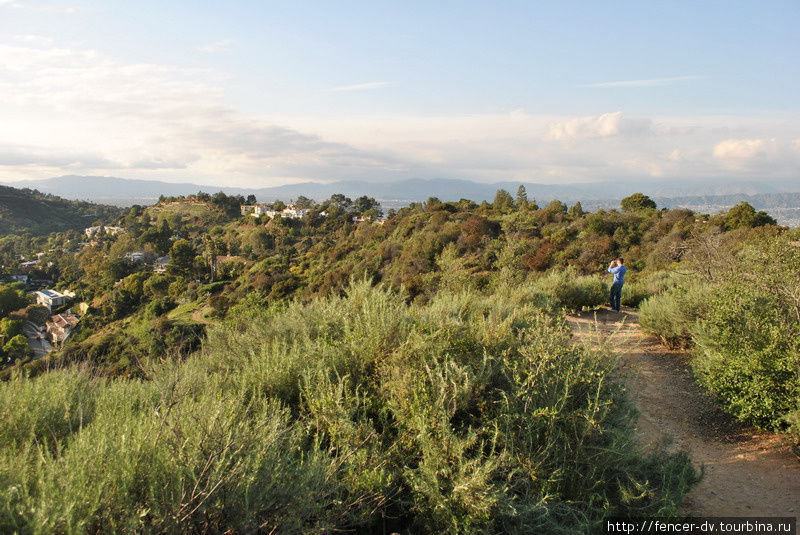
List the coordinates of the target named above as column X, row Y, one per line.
column 747, row 472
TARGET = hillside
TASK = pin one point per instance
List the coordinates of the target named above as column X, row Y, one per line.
column 780, row 198
column 412, row 374
column 29, row 211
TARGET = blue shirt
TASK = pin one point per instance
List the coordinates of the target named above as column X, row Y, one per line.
column 619, row 273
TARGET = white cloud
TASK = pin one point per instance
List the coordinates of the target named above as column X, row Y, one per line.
column 34, row 40
column 360, row 87
column 223, row 45
column 739, row 148
column 759, row 156
column 600, row 126
column 648, row 82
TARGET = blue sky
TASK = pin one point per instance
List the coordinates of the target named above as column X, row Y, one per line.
column 262, row 93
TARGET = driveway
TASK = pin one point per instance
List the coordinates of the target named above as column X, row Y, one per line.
column 36, row 340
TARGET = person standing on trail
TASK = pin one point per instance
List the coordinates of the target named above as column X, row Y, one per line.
column 617, row 267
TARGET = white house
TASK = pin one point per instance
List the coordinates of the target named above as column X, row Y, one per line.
column 91, row 231
column 255, row 210
column 293, row 212
column 50, row 298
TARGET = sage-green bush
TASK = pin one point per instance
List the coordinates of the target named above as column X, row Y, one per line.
column 672, row 314
column 472, row 414
column 572, row 291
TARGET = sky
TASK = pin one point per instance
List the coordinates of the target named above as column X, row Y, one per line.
column 257, row 94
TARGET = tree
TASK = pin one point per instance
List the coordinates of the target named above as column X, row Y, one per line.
column 251, row 199
column 522, row 197
column 364, row 204
column 11, row 299
column 10, row 328
column 304, row 202
column 38, row 314
column 338, row 200
column 259, row 241
column 743, row 215
column 503, row 200
column 181, row 257
column 636, row 202
column 576, row 212
column 17, row 348
column 432, row 204
column 156, row 286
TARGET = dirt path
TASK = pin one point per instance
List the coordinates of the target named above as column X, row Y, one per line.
column 197, row 316
column 747, row 472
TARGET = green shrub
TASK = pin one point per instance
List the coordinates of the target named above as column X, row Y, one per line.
column 746, row 352
column 671, row 315
column 633, row 293
column 47, row 410
column 572, row 291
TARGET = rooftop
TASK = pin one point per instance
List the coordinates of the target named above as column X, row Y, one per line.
column 51, row 293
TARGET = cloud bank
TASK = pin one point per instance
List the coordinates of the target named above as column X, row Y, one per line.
column 72, row 111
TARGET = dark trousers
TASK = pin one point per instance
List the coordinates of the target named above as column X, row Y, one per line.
column 616, row 295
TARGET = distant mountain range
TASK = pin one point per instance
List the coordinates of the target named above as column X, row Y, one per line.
column 701, row 195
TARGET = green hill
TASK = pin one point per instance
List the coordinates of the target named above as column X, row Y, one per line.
column 26, row 210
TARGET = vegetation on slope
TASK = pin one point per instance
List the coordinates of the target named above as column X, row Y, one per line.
column 740, row 312
column 441, row 394
column 470, row 414
column 29, row 211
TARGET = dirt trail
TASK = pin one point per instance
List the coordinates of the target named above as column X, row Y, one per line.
column 747, row 472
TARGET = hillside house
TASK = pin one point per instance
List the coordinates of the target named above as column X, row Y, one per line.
column 50, row 298
column 60, row 327
column 113, row 231
column 255, row 210
column 160, row 264
column 139, row 257
column 290, row 212
column 293, row 212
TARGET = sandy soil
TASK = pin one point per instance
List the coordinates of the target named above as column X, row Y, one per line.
column 747, row 472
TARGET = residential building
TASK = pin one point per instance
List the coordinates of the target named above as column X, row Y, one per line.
column 27, row 266
column 61, row 326
column 91, row 231
column 255, row 210
column 139, row 257
column 50, row 298
column 293, row 212
column 290, row 212
column 160, row 264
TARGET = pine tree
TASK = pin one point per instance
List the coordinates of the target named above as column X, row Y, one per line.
column 522, row 197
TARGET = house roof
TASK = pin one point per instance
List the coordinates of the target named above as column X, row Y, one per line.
column 52, row 294
column 64, row 320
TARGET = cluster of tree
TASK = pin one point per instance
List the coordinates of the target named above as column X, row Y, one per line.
column 420, row 248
